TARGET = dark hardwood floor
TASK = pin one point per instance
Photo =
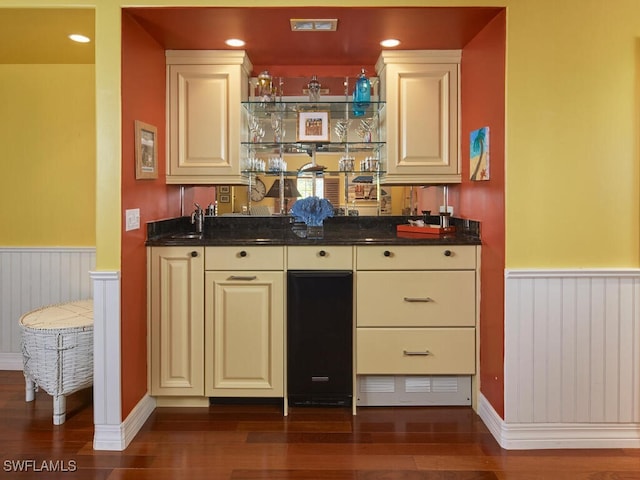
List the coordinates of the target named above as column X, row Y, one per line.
column 257, row 442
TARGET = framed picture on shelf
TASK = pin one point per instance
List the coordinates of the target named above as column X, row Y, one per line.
column 146, row 153
column 313, row 126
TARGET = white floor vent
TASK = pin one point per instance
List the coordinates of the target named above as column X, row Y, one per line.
column 389, row 390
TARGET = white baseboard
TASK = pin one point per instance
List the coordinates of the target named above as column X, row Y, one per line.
column 118, row 437
column 11, row 361
column 536, row 436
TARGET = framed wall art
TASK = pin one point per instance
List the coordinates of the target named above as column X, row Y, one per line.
column 313, row 126
column 479, row 155
column 146, row 144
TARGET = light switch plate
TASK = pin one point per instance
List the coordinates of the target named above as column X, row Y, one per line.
column 132, row 219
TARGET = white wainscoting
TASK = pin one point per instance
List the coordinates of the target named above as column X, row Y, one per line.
column 34, row 277
column 572, row 359
column 111, row 432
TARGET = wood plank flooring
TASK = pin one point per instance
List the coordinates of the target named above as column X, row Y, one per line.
column 256, row 442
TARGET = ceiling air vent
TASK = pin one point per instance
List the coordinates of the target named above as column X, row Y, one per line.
column 314, row 24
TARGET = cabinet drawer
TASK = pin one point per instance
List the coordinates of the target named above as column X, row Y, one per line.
column 416, row 299
column 244, row 258
column 325, row 257
column 415, row 351
column 432, row 257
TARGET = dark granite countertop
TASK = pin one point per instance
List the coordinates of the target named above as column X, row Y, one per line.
column 281, row 230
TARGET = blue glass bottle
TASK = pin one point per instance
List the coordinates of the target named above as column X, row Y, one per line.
column 361, row 95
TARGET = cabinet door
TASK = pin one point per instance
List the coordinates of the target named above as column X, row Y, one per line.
column 422, row 123
column 204, row 123
column 244, row 334
column 177, row 321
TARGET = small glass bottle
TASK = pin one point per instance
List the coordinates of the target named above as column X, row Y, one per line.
column 265, row 87
column 361, row 94
column 314, row 89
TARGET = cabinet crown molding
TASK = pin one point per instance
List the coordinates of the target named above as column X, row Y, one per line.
column 417, row 56
column 209, row 57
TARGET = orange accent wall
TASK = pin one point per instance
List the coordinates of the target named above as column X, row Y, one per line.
column 143, row 98
column 483, row 104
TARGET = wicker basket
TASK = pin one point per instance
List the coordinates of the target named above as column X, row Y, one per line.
column 57, row 347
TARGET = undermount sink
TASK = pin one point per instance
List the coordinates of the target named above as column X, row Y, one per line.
column 186, row 236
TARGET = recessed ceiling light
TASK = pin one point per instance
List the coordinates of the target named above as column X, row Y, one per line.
column 314, row 24
column 235, row 42
column 390, row 42
column 76, row 37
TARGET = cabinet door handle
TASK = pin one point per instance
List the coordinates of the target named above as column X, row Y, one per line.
column 194, row 254
column 418, row 299
column 242, row 277
column 409, row 353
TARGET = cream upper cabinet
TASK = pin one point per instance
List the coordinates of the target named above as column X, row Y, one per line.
column 205, row 121
column 421, row 90
column 177, row 321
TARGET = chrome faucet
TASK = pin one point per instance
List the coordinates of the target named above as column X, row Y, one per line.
column 197, row 218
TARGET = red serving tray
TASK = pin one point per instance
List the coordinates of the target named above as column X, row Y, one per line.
column 426, row 230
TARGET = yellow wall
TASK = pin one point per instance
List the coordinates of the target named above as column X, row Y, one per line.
column 572, row 133
column 572, row 150
column 47, row 134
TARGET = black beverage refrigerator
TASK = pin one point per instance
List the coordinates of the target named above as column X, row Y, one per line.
column 320, row 337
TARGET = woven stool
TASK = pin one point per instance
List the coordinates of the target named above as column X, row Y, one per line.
column 57, row 350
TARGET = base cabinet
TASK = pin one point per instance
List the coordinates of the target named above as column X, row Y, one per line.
column 416, row 317
column 244, row 334
column 217, row 316
column 177, row 321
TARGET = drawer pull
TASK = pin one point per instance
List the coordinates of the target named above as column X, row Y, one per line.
column 242, row 277
column 448, row 253
column 387, row 253
column 322, row 253
column 418, row 300
column 409, row 353
column 243, row 253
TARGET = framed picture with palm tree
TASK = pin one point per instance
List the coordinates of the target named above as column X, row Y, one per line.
column 479, row 154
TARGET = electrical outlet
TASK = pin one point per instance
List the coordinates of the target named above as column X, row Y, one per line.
column 132, row 219
column 448, row 208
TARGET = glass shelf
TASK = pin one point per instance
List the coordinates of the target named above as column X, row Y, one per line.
column 352, row 148
column 337, row 110
column 297, row 173
column 318, row 147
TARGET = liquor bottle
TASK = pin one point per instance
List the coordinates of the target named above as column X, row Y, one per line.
column 361, row 94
